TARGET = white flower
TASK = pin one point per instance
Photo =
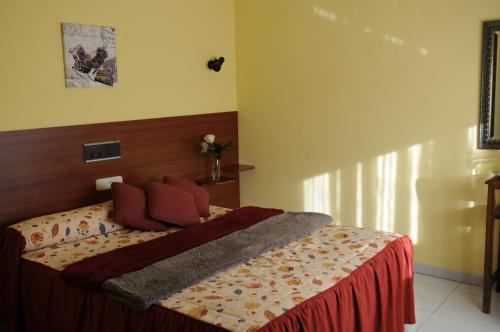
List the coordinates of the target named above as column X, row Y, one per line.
column 210, row 138
column 204, row 147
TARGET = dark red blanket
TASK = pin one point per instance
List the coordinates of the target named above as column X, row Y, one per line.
column 93, row 271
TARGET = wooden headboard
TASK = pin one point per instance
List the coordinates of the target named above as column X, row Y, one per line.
column 42, row 170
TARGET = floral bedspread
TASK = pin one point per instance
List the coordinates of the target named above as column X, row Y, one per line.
column 246, row 297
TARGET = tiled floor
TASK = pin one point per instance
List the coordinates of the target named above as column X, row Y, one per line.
column 444, row 305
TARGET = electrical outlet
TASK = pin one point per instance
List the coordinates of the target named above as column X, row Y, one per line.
column 105, row 183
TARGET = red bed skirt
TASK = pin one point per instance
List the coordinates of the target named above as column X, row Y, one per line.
column 50, row 304
column 378, row 296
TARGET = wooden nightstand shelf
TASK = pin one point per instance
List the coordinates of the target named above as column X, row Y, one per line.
column 207, row 182
column 238, row 168
column 225, row 192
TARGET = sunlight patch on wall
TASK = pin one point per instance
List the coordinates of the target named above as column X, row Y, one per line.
column 386, row 191
column 423, row 51
column 481, row 162
column 414, row 156
column 393, row 39
column 400, row 42
column 471, row 142
column 321, row 12
column 359, row 195
column 389, row 38
column 471, row 137
column 317, row 194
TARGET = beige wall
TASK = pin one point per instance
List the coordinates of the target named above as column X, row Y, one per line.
column 162, row 50
column 368, row 110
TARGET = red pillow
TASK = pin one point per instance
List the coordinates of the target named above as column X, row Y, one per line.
column 130, row 208
column 171, row 205
column 201, row 196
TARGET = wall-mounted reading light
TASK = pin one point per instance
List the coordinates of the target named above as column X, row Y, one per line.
column 216, row 64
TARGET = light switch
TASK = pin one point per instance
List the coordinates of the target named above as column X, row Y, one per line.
column 105, row 183
column 93, row 152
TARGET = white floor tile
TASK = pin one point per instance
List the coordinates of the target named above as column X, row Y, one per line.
column 444, row 305
column 428, row 297
column 422, row 316
column 433, row 281
column 478, row 291
column 440, row 323
column 467, row 307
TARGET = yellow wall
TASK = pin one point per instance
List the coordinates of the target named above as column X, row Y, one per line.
column 162, row 50
column 368, row 109
column 345, row 106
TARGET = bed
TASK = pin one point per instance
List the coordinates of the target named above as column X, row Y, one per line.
column 337, row 278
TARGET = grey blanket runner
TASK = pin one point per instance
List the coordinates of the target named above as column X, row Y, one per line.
column 143, row 288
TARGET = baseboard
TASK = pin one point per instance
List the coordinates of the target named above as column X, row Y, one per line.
column 448, row 274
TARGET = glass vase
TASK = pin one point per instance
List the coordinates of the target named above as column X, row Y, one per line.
column 216, row 170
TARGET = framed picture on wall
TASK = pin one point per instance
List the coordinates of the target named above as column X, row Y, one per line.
column 89, row 55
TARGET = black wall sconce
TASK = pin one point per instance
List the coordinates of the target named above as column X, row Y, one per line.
column 216, row 64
